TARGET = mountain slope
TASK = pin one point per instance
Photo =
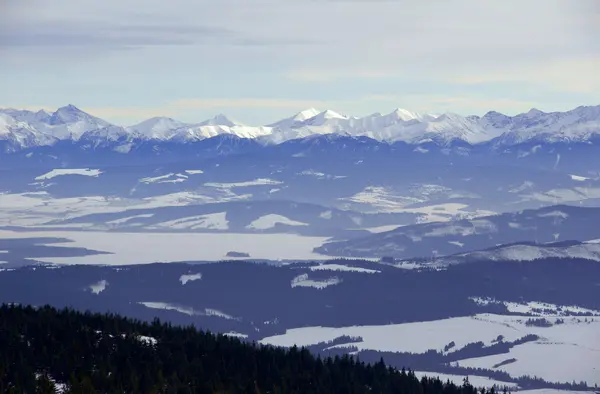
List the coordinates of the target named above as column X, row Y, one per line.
column 142, row 357
column 549, row 224
column 581, row 124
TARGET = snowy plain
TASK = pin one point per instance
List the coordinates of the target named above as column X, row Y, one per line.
column 140, row 248
column 564, row 351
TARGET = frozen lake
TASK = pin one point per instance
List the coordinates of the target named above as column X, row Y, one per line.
column 140, row 248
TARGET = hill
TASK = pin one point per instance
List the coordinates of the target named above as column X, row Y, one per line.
column 50, row 350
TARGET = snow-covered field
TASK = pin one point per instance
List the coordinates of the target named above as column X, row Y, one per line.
column 564, row 351
column 35, row 209
column 269, row 221
column 71, row 171
column 139, row 248
column 341, row 267
column 304, row 281
column 187, row 310
column 477, row 381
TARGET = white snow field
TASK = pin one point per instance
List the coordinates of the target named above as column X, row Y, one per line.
column 564, row 352
column 69, row 171
column 477, row 381
column 190, row 278
column 187, row 310
column 269, row 221
column 304, row 281
column 139, row 248
column 38, row 208
column 343, row 268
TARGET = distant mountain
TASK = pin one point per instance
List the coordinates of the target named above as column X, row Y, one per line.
column 581, row 124
column 545, row 225
column 516, row 252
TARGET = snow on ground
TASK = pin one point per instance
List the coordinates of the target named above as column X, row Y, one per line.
column 256, row 182
column 383, row 229
column 579, row 178
column 212, row 221
column 564, row 196
column 476, row 381
column 444, row 212
column 564, row 352
column 381, row 199
column 321, row 175
column 589, row 251
column 68, row 171
column 139, row 248
column 235, row 335
column 326, row 215
column 36, row 209
column 535, row 308
column 554, row 362
column 385, row 199
column 410, row 337
column 340, row 267
column 127, row 219
column 167, row 178
column 218, row 313
column 60, row 388
column 147, row 340
column 170, row 307
column 269, row 221
column 98, row 287
column 190, row 278
column 553, row 391
column 304, row 281
column 554, row 214
column 186, row 310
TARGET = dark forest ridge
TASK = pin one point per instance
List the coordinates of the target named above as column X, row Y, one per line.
column 87, row 353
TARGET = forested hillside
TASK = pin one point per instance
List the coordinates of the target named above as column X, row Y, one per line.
column 45, row 350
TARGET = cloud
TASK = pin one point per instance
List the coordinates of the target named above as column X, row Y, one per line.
column 148, row 50
column 111, row 36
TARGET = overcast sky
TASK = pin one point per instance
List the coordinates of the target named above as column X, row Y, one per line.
column 261, row 60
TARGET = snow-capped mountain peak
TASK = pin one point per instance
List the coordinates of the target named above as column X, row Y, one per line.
column 68, row 114
column 26, row 128
column 157, row 127
column 534, row 112
column 322, row 118
column 220, row 120
column 306, row 114
column 296, row 119
column 405, row 115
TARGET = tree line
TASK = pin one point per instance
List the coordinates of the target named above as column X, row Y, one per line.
column 45, row 349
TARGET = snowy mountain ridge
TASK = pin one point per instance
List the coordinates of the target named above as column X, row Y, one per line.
column 25, row 129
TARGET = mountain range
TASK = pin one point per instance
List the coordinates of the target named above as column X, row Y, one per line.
column 22, row 129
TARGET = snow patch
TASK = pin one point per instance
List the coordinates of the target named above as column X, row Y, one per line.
column 98, row 287
column 65, row 171
column 304, row 281
column 343, row 268
column 554, row 214
column 189, row 278
column 234, row 334
column 269, row 221
column 326, row 215
column 212, row 221
column 256, row 182
column 168, row 178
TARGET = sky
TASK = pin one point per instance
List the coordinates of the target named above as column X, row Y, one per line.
column 261, row 60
